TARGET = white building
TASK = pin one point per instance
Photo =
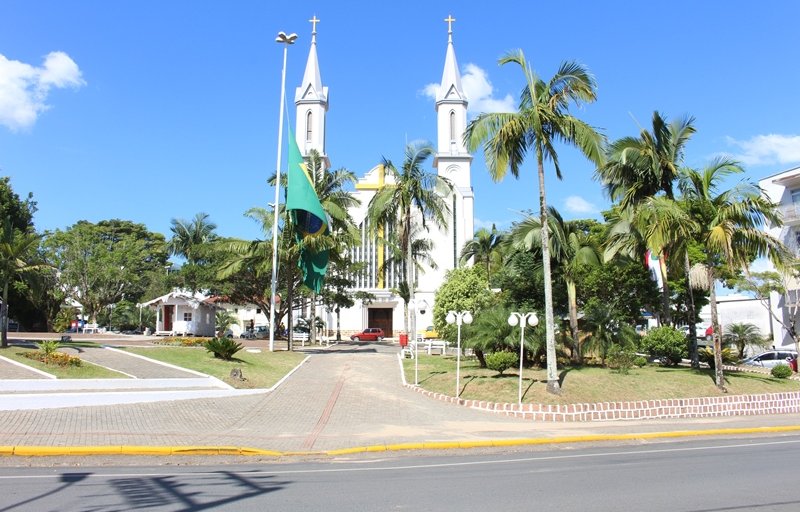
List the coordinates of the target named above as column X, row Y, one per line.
column 451, row 161
column 784, row 189
column 181, row 312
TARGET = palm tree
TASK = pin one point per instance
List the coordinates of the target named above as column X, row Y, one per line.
column 16, row 251
column 743, row 335
column 223, row 319
column 541, row 121
column 410, row 196
column 605, row 329
column 331, row 188
column 640, row 168
column 188, row 237
column 728, row 226
column 570, row 249
column 483, row 248
column 492, row 333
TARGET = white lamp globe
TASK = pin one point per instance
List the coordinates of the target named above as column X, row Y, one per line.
column 513, row 320
column 467, row 318
column 533, row 320
column 451, row 318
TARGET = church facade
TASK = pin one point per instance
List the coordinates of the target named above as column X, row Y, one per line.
column 387, row 309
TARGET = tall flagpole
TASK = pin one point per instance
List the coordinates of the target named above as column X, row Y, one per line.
column 286, row 40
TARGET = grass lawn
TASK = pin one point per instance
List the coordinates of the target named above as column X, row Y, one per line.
column 262, row 370
column 586, row 384
column 85, row 371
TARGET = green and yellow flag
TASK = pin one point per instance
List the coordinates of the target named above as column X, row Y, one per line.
column 308, row 216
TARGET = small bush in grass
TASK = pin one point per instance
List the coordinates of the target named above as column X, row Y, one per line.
column 48, row 354
column 781, row 371
column 640, row 361
column 621, row 358
column 223, row 348
column 501, row 361
column 182, row 342
column 706, row 355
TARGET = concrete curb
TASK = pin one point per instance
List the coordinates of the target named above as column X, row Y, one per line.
column 44, row 451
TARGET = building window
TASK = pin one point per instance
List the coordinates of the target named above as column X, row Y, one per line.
column 187, row 317
column 235, row 310
column 452, row 126
column 308, row 126
column 258, row 311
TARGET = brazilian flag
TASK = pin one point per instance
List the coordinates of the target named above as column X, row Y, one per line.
column 308, row 216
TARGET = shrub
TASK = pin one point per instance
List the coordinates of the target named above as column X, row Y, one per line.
column 181, row 342
column 501, row 361
column 223, row 348
column 621, row 358
column 640, row 361
column 781, row 371
column 706, row 355
column 48, row 354
column 665, row 343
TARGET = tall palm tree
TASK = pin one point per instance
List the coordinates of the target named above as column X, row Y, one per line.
column 411, row 196
column 570, row 249
column 483, row 249
column 17, row 249
column 188, row 237
column 729, row 227
column 541, row 121
column 640, row 168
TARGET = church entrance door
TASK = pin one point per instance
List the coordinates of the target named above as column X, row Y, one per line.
column 381, row 318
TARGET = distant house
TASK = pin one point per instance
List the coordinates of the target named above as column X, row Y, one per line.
column 248, row 315
column 181, row 312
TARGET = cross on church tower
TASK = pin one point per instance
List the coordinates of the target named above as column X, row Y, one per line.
column 450, row 19
column 314, row 22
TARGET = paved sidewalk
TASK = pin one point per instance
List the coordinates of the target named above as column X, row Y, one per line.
column 12, row 370
column 350, row 395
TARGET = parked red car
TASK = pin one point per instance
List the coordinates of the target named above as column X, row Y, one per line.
column 368, row 334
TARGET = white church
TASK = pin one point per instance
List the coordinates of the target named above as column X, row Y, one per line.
column 451, row 161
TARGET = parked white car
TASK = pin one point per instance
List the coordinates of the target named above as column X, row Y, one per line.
column 771, row 358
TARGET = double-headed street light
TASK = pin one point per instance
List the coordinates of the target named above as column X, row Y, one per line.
column 522, row 319
column 458, row 317
column 285, row 40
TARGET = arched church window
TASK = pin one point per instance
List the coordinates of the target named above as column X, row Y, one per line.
column 452, row 126
column 308, row 126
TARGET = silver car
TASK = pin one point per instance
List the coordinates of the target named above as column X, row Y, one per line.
column 771, row 358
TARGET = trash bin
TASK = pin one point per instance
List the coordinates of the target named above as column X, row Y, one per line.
column 403, row 340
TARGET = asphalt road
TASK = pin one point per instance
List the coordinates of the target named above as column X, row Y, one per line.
column 753, row 473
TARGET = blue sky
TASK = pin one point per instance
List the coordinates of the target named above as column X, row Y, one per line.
column 148, row 110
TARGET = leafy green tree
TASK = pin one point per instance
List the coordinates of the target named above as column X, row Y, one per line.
column 571, row 248
column 542, row 120
column 18, row 211
column 17, row 249
column 410, row 196
column 623, row 285
column 101, row 264
column 223, row 319
column 463, row 289
column 729, row 226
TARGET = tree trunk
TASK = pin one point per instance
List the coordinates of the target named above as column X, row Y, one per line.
column 481, row 358
column 289, row 302
column 665, row 292
column 338, row 324
column 312, row 312
column 573, row 322
column 719, row 378
column 693, row 355
column 4, row 317
column 553, row 385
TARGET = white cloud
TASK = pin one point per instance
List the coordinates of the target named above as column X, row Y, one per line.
column 767, row 149
column 577, row 204
column 478, row 90
column 24, row 88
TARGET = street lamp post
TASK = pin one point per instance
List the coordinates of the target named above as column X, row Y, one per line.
column 286, row 41
column 521, row 319
column 418, row 306
column 458, row 317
